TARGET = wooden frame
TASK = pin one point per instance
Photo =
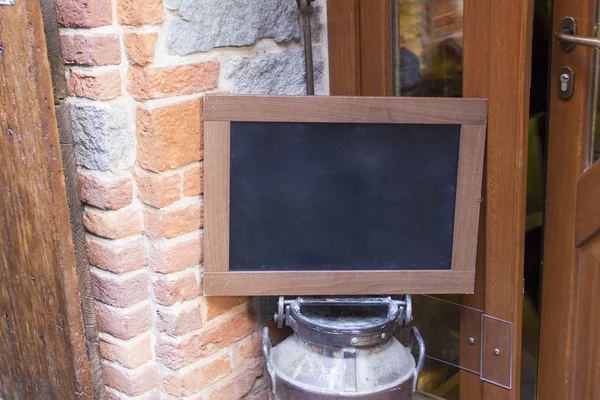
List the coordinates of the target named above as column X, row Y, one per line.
column 360, row 47
column 219, row 111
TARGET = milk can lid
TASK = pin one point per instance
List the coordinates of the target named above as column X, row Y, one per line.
column 355, row 322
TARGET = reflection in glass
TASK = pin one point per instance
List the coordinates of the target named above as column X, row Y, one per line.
column 440, row 320
column 428, row 48
column 439, row 381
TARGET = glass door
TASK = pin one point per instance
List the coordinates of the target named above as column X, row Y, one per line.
column 569, row 365
column 457, row 48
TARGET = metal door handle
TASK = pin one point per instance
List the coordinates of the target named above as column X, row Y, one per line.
column 567, row 35
column 575, row 40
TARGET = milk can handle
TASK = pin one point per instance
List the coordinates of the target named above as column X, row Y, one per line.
column 266, row 348
column 421, row 361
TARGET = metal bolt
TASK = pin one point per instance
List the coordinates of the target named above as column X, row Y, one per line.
column 471, row 340
column 496, row 352
column 479, row 199
column 383, row 335
column 354, row 340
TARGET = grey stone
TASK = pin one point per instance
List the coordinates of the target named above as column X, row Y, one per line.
column 172, row 5
column 102, row 133
column 279, row 73
column 202, row 25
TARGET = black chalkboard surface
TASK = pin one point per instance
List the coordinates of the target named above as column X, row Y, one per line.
column 340, row 196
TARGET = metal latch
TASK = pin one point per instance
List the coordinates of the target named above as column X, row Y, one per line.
column 566, row 79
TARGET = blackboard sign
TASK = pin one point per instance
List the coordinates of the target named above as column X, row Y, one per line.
column 332, row 195
column 339, row 196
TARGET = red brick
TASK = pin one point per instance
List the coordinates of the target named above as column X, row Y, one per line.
column 174, row 220
column 174, row 288
column 112, row 394
column 132, row 382
column 116, row 256
column 140, row 47
column 105, row 191
column 97, row 85
column 158, row 190
column 168, row 256
column 113, row 224
column 140, row 12
column 170, row 136
column 216, row 306
column 147, row 83
column 123, row 323
column 176, row 353
column 224, row 332
column 91, row 49
column 239, row 383
column 84, row 13
column 179, row 319
column 252, row 348
column 129, row 353
column 186, row 383
column 193, row 181
column 119, row 290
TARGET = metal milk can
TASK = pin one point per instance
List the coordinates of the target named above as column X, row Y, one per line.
column 343, row 349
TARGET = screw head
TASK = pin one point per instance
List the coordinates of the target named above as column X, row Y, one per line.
column 383, row 335
column 354, row 340
column 471, row 340
column 496, row 352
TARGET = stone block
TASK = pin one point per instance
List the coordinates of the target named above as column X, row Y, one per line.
column 172, row 5
column 103, row 134
column 206, row 24
column 280, row 73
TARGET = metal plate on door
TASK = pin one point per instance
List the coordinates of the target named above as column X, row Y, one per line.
column 566, row 79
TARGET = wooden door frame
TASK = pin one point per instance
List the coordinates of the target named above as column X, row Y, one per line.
column 497, row 62
column 43, row 324
column 566, row 366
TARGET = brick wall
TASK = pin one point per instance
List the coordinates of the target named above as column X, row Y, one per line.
column 137, row 71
